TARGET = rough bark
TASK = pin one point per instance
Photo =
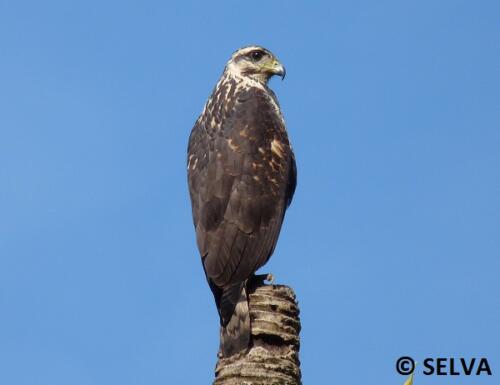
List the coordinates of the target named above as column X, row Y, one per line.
column 273, row 358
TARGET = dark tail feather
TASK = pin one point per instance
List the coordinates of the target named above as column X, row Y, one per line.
column 235, row 328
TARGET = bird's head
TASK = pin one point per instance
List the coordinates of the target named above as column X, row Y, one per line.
column 255, row 62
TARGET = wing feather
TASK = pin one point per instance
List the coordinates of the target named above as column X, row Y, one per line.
column 239, row 187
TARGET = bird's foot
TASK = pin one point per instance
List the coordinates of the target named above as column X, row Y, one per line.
column 261, row 279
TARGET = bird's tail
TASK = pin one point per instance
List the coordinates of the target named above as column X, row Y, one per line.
column 235, row 330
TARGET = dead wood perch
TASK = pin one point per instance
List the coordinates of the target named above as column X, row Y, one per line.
column 274, row 356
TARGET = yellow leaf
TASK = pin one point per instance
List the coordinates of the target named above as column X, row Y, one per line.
column 409, row 381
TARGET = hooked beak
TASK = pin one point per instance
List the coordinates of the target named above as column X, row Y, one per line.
column 279, row 69
column 276, row 68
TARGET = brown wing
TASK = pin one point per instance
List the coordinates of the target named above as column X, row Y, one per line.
column 241, row 179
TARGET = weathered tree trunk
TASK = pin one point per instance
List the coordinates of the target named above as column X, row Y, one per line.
column 274, row 356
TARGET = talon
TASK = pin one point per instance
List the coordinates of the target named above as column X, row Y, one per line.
column 261, row 279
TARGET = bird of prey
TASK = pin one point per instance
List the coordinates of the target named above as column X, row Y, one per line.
column 241, row 176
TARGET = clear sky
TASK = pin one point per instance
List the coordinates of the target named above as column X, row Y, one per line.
column 392, row 242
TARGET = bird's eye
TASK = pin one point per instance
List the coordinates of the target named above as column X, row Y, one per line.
column 256, row 55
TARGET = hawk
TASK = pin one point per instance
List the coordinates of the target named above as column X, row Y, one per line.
column 242, row 177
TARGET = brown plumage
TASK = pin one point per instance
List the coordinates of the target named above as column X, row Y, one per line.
column 242, row 176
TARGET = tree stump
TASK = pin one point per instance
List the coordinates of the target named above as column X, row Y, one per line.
column 273, row 358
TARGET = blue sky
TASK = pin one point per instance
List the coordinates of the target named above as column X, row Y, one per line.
column 391, row 243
